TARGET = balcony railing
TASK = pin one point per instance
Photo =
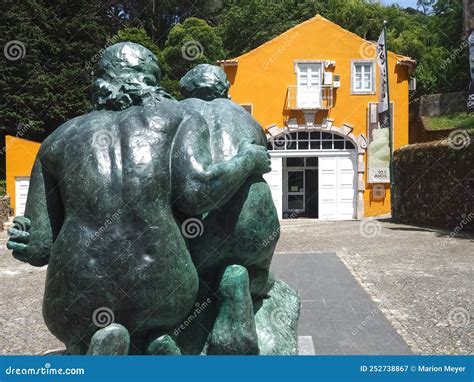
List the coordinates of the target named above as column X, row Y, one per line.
column 310, row 101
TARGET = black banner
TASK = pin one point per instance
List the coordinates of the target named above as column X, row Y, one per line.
column 470, row 98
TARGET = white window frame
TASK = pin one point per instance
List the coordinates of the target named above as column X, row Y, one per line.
column 353, row 77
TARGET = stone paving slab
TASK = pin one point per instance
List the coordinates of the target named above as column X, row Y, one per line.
column 335, row 311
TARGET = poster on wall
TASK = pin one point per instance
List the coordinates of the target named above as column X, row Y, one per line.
column 378, row 150
column 470, row 99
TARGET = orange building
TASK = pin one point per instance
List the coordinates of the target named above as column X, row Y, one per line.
column 20, row 156
column 314, row 89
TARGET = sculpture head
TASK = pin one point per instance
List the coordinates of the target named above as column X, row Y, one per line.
column 127, row 74
column 206, row 82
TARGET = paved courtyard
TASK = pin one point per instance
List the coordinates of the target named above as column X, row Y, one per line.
column 418, row 277
column 367, row 287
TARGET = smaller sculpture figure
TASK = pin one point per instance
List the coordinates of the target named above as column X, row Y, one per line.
column 241, row 234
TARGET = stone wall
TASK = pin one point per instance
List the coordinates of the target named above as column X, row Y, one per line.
column 4, row 209
column 434, row 184
column 419, row 133
column 434, row 105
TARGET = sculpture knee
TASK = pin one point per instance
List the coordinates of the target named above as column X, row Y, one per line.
column 111, row 340
column 234, row 330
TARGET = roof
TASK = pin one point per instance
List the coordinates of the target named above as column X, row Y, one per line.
column 401, row 60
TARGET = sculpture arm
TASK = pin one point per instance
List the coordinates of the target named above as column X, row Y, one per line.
column 32, row 236
column 199, row 185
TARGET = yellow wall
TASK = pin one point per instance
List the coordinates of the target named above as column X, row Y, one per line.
column 20, row 156
column 262, row 76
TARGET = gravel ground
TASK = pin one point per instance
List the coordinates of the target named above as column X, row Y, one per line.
column 421, row 280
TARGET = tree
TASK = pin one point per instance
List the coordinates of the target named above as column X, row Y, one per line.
column 50, row 84
column 425, row 5
column 190, row 43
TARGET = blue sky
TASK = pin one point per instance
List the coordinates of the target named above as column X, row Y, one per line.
column 401, row 3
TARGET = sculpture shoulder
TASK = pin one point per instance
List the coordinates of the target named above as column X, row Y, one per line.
column 166, row 111
column 70, row 130
column 237, row 112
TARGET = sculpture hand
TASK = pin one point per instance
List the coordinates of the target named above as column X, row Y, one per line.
column 19, row 238
column 261, row 158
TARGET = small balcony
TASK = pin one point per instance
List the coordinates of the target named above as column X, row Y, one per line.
column 304, row 99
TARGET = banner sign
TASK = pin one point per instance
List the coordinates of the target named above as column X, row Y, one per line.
column 381, row 63
column 378, row 150
column 236, row 368
column 470, row 99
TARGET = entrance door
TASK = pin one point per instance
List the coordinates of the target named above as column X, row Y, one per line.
column 309, row 85
column 21, row 193
column 336, row 187
column 311, row 193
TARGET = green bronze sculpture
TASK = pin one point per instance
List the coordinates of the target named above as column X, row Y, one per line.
column 110, row 195
column 246, row 229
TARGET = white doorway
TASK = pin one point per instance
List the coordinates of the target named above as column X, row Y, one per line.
column 22, row 183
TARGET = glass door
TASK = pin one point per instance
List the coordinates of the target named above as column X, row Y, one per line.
column 295, row 191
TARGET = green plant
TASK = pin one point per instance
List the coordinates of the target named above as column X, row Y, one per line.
column 3, row 187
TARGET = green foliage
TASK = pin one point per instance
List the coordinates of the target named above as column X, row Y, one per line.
column 451, row 121
column 51, row 83
column 191, row 43
column 3, row 187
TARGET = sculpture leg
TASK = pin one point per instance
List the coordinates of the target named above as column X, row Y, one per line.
column 111, row 340
column 234, row 329
column 163, row 345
